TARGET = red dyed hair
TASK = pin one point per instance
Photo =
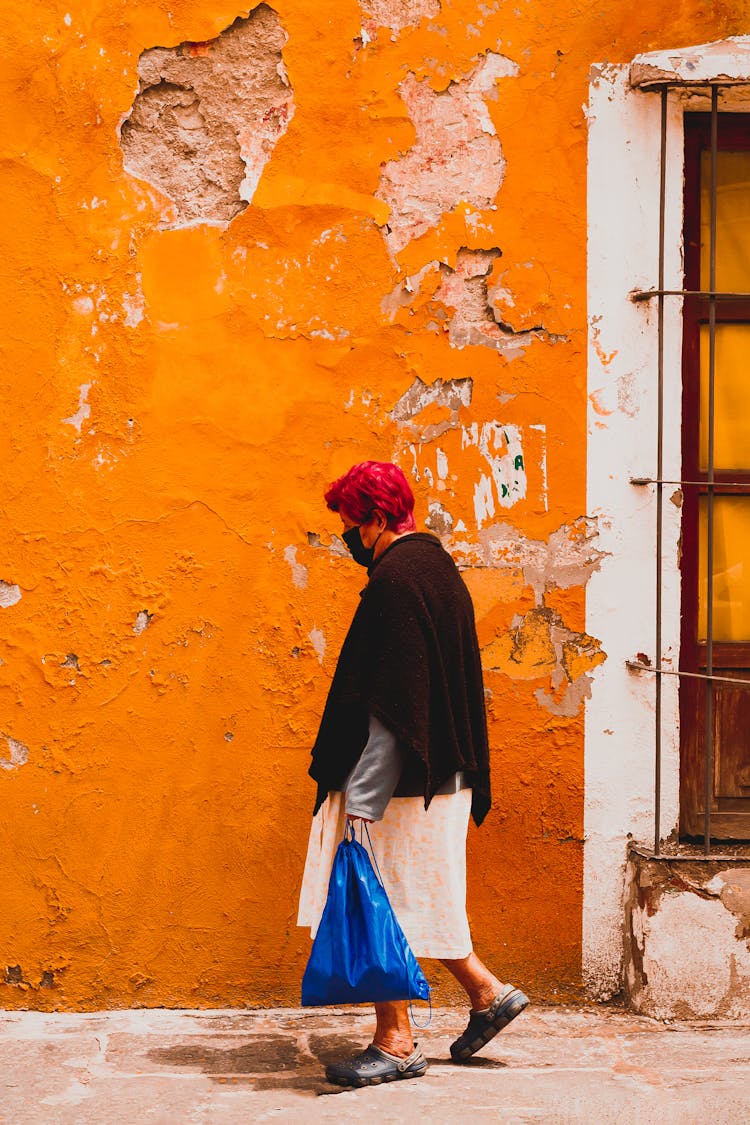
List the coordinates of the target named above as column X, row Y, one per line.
column 371, row 485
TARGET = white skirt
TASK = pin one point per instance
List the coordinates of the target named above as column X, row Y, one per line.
column 422, row 858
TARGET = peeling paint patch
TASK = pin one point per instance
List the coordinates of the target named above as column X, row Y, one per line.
column 396, row 15
column 405, row 291
column 10, row 594
column 542, row 430
column 133, row 306
column 568, row 558
column 84, row 409
column 441, row 464
column 450, row 393
column 318, row 641
column 19, row 754
column 461, row 301
column 299, row 572
column 439, row 520
column 475, row 320
column 453, row 393
column 734, row 892
column 576, row 656
column 500, row 446
column 142, row 621
column 539, row 644
column 456, row 158
column 207, row 117
column 337, row 547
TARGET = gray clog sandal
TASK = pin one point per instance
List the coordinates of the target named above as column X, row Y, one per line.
column 484, row 1025
column 374, row 1066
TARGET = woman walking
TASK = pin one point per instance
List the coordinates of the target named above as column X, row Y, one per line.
column 403, row 745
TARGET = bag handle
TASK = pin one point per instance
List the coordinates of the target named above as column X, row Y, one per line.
column 372, row 853
column 421, row 1026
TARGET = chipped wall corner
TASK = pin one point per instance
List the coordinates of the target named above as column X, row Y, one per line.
column 687, row 938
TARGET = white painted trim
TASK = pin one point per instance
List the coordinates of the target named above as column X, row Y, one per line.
column 623, row 230
column 727, row 59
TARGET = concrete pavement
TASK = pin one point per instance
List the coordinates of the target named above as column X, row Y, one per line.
column 553, row 1065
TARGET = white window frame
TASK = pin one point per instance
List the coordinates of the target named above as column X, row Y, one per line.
column 624, row 115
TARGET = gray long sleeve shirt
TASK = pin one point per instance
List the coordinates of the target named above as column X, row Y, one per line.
column 373, row 781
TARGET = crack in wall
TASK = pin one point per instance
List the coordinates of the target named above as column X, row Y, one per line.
column 207, row 117
column 475, row 321
column 540, row 644
column 461, row 301
column 730, row 886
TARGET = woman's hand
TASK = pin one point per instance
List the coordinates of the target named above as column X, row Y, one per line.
column 352, row 817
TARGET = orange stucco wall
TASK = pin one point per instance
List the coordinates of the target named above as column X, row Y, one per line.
column 178, row 391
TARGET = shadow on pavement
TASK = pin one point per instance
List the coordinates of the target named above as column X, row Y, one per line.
column 474, row 1063
column 273, row 1062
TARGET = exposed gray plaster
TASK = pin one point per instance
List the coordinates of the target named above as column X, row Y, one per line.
column 456, row 157
column 142, row 621
column 453, row 393
column 336, row 547
column 396, row 14
column 463, row 301
column 687, row 925
column 299, row 572
column 83, row 411
column 318, row 641
column 439, row 519
column 10, row 594
column 405, row 291
column 568, row 558
column 207, row 117
column 19, row 754
column 475, row 320
column 576, row 688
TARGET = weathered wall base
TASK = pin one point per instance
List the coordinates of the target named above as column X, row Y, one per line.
column 687, row 937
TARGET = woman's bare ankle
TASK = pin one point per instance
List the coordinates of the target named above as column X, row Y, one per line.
column 394, row 1045
column 485, row 994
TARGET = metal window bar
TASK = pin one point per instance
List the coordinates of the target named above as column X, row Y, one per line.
column 712, row 296
column 709, row 745
column 660, row 474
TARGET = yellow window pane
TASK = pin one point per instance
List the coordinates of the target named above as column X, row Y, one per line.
column 731, row 397
column 731, row 567
column 732, row 221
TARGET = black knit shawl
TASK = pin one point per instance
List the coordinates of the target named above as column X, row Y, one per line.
column 411, row 658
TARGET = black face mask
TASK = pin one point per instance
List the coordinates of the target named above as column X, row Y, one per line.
column 361, row 554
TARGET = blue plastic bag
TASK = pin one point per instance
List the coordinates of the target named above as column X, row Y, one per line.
column 360, row 954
